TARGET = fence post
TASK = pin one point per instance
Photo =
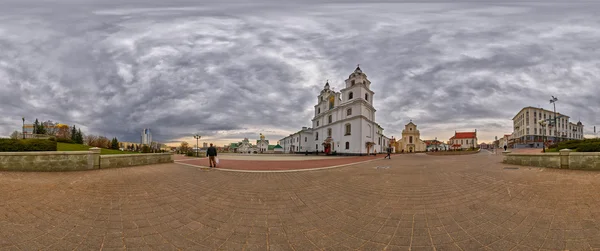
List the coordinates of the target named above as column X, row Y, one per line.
column 95, row 155
column 564, row 158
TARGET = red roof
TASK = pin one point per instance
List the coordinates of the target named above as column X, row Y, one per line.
column 465, row 135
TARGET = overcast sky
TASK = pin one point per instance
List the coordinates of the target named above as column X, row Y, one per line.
column 229, row 70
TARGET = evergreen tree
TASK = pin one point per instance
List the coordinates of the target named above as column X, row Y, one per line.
column 36, row 124
column 74, row 134
column 115, row 144
column 79, row 137
column 40, row 129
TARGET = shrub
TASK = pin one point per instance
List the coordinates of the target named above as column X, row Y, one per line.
column 64, row 140
column 27, row 145
column 589, row 147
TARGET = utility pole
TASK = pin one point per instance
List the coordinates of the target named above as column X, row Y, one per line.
column 23, row 131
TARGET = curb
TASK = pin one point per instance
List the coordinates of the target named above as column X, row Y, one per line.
column 278, row 171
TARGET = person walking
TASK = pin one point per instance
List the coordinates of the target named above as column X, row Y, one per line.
column 389, row 153
column 212, row 154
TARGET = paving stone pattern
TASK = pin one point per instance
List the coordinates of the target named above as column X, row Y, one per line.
column 419, row 203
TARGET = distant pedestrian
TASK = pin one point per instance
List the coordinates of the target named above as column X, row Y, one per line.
column 505, row 147
column 212, row 154
column 389, row 153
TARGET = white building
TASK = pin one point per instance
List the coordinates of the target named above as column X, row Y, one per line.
column 463, row 140
column 146, row 137
column 343, row 122
column 528, row 132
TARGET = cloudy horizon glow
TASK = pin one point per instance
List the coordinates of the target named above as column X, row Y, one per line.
column 229, row 71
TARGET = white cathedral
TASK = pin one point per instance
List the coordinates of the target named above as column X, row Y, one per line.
column 344, row 122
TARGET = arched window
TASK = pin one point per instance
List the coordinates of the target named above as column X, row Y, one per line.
column 348, row 129
column 366, row 96
column 328, row 132
column 330, row 119
column 347, row 145
column 350, row 95
column 317, row 123
column 317, row 136
column 410, row 140
column 352, row 82
column 319, row 110
column 349, row 112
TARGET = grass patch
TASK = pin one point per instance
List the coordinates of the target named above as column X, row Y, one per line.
column 78, row 147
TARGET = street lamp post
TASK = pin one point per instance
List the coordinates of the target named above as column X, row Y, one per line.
column 23, row 131
column 197, row 137
column 553, row 102
column 543, row 125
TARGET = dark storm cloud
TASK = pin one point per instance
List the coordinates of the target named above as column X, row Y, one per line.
column 231, row 70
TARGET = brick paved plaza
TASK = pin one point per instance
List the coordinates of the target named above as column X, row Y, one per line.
column 415, row 202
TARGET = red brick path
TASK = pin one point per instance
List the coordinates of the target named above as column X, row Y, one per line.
column 261, row 165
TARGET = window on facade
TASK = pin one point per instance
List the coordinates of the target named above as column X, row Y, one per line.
column 380, row 140
column 317, row 123
column 319, row 110
column 366, row 96
column 329, row 119
column 348, row 129
column 317, row 136
column 352, row 82
column 461, row 141
column 317, row 147
column 410, row 140
column 534, row 130
column 328, row 132
column 331, row 102
column 305, row 139
column 350, row 95
column 349, row 112
column 347, row 145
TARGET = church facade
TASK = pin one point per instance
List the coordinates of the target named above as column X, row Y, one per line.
column 411, row 140
column 343, row 122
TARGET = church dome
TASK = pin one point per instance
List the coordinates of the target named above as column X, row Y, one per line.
column 262, row 136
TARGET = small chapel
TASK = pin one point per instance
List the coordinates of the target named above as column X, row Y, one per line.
column 411, row 140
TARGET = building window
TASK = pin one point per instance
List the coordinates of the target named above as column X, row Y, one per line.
column 328, row 132
column 379, row 140
column 305, row 139
column 331, row 102
column 352, row 82
column 348, row 129
column 410, row 141
column 317, row 147
column 317, row 136
column 319, row 110
column 366, row 96
column 350, row 95
column 329, row 119
column 466, row 141
column 317, row 123
column 347, row 145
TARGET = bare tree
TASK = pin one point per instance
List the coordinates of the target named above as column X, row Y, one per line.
column 184, row 147
column 91, row 140
column 16, row 135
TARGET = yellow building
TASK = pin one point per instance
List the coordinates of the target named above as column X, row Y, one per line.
column 411, row 140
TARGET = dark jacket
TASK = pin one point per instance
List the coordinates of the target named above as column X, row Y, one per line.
column 389, row 150
column 212, row 151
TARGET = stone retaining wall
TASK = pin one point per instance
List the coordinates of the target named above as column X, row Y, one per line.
column 533, row 159
column 564, row 159
column 76, row 160
column 46, row 161
column 123, row 160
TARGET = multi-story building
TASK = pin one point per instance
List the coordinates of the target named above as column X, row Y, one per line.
column 146, row 137
column 343, row 122
column 528, row 132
